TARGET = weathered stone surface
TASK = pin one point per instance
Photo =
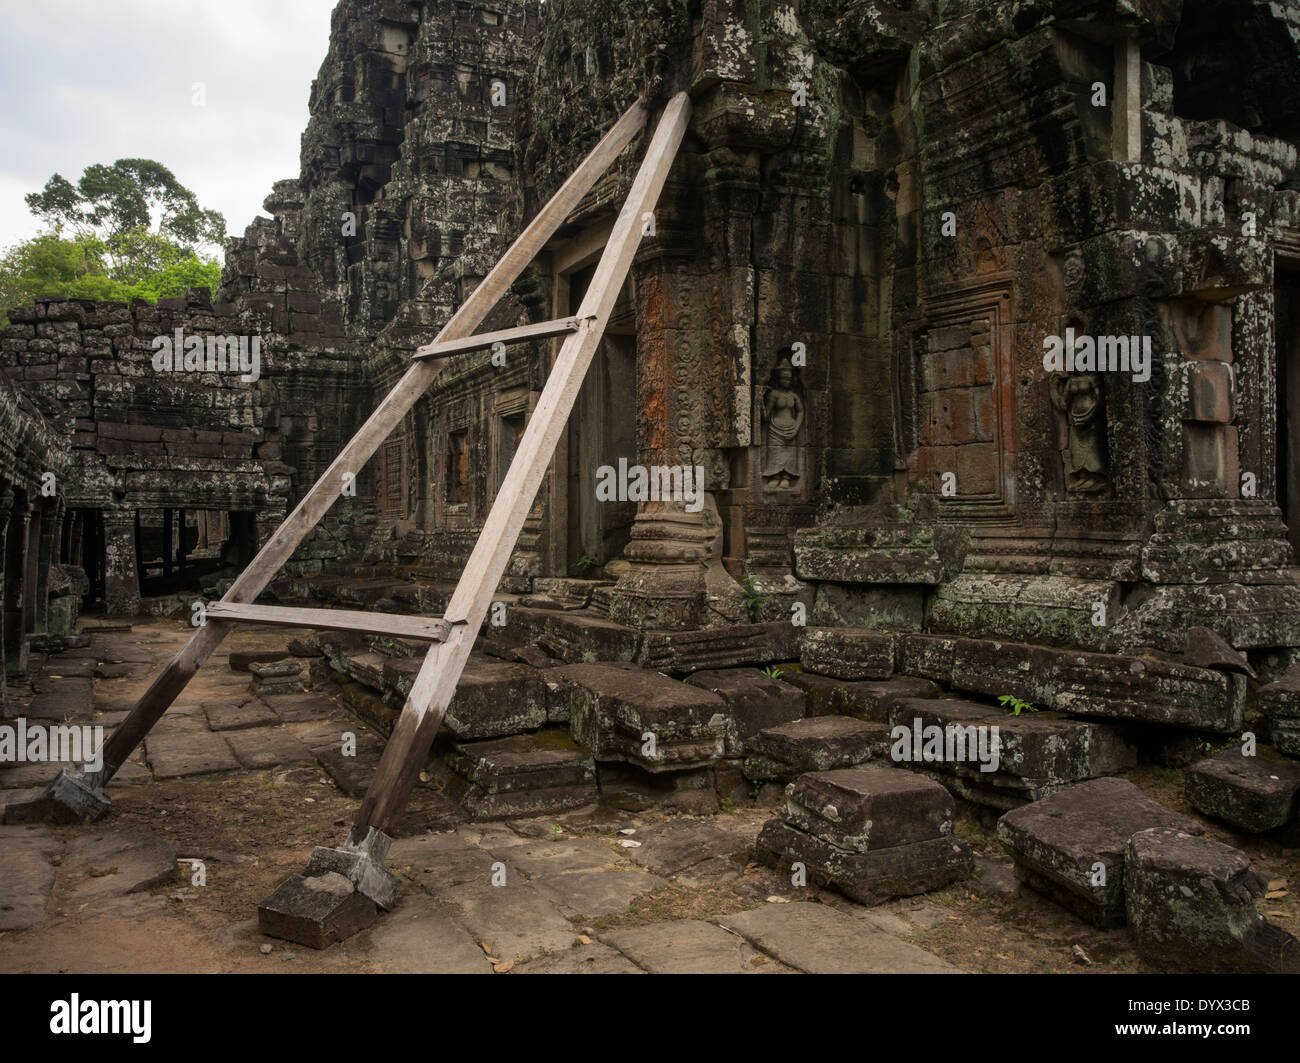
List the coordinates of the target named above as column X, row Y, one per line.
column 612, row 706
column 819, row 743
column 680, row 844
column 1071, row 845
column 302, row 648
column 419, row 937
column 1279, row 702
column 817, row 939
column 871, row 877
column 1252, row 793
column 847, row 653
column 1035, row 755
column 579, row 876
column 279, row 669
column 754, row 701
column 224, row 716
column 268, row 747
column 176, row 755
column 864, row 699
column 1108, row 686
column 592, row 958
column 316, row 911
column 243, row 660
column 111, row 863
column 690, row 946
column 1206, row 649
column 873, row 807
column 525, row 775
column 724, row 647
column 494, row 698
column 1191, row 907
column 26, row 875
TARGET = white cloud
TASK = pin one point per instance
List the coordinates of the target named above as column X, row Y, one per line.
column 86, row 81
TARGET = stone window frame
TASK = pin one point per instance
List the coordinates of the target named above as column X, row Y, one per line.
column 507, row 404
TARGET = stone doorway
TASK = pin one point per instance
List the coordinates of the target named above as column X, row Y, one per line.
column 1286, row 299
column 601, row 431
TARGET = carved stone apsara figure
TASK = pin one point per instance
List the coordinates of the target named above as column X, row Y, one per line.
column 1081, row 432
column 783, row 417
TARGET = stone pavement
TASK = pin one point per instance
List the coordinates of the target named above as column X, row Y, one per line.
column 593, row 890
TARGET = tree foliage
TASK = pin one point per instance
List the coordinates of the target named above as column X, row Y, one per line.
column 126, row 231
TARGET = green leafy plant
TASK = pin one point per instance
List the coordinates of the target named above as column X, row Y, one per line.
column 585, row 564
column 773, row 672
column 756, row 790
column 1205, row 746
column 726, row 804
column 754, row 598
column 1016, row 705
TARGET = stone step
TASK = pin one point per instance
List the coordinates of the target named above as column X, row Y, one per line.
column 819, row 743
column 1254, row 794
column 754, row 701
column 572, row 636
column 622, row 712
column 1036, row 754
column 1070, row 846
column 525, row 775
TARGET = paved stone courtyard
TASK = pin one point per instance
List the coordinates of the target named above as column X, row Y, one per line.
column 248, row 784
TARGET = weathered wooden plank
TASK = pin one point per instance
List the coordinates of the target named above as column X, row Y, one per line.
column 540, row 331
column 387, row 416
column 426, row 628
column 435, row 683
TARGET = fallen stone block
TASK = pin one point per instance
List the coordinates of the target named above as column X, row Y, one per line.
column 754, row 701
column 870, row 877
column 494, row 699
column 622, row 712
column 317, row 911
column 276, row 677
column 729, row 646
column 1254, row 794
column 1070, row 846
column 1279, row 703
column 872, row 807
column 525, row 775
column 1025, row 759
column 1191, row 907
column 847, row 653
column 864, row 699
column 819, row 743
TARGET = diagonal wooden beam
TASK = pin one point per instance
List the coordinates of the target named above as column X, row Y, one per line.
column 436, row 681
column 387, row 416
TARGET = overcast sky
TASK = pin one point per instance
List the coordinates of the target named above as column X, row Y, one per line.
column 86, row 81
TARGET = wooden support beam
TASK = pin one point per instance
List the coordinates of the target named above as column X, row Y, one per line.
column 434, row 685
column 540, row 331
column 387, row 416
column 428, row 629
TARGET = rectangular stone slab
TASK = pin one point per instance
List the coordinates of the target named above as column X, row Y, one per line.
column 820, row 743
column 1071, row 845
column 847, row 653
column 315, row 912
column 867, row 699
column 754, row 701
column 869, row 878
column 868, row 808
column 1036, row 754
column 1254, row 794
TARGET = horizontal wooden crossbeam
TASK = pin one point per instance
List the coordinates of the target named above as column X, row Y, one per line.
column 428, row 629
column 522, row 334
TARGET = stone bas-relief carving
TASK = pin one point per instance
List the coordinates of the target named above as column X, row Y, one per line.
column 784, row 413
column 1079, row 402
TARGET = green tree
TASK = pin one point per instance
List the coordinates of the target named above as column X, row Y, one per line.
column 102, row 243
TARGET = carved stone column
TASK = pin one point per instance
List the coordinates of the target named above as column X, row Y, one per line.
column 121, row 580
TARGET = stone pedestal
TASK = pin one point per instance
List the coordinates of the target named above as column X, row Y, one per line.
column 669, row 551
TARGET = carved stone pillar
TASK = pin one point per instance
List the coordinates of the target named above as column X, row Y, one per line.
column 121, row 580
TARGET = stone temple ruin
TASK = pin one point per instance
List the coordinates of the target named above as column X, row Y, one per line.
column 956, row 350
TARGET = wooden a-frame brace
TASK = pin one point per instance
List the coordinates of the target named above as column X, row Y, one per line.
column 81, row 795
